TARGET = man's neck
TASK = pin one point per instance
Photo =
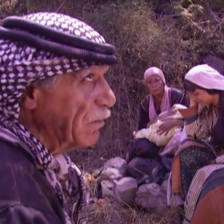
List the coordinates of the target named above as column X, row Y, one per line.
column 47, row 138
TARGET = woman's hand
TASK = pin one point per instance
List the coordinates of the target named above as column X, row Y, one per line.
column 152, row 122
column 165, row 127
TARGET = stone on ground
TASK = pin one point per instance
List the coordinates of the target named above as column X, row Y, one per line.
column 125, row 190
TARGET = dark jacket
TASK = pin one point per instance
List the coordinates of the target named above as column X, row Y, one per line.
column 176, row 97
column 25, row 195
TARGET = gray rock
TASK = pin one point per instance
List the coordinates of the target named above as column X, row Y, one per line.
column 151, row 198
column 117, row 163
column 125, row 190
column 110, row 174
column 139, row 167
column 107, row 188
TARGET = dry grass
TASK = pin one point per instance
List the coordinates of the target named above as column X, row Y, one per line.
column 111, row 212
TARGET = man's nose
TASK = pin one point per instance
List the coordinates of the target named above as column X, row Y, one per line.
column 106, row 95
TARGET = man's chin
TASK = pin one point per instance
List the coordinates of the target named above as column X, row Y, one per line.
column 90, row 140
column 94, row 138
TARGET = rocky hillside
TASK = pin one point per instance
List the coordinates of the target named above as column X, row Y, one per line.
column 172, row 34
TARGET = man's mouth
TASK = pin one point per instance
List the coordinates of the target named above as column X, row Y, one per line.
column 98, row 123
column 97, row 117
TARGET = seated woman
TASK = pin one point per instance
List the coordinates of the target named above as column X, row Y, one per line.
column 160, row 99
column 205, row 130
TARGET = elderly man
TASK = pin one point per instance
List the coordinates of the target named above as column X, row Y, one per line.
column 54, row 98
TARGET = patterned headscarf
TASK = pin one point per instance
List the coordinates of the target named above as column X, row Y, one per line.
column 34, row 47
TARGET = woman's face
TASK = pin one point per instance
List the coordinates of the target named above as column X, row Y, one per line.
column 203, row 97
column 155, row 85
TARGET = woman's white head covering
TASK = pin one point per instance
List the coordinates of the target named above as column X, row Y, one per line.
column 205, row 77
column 154, row 71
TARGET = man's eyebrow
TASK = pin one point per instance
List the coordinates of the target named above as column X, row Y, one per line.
column 81, row 73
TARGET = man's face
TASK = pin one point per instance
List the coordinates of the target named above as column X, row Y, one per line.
column 75, row 108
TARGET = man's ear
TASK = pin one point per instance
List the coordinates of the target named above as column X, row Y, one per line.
column 30, row 96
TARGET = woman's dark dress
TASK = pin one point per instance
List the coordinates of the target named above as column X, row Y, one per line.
column 143, row 148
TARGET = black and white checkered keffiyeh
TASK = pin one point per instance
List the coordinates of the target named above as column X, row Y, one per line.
column 22, row 64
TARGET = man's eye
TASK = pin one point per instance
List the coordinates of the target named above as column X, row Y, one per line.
column 89, row 77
